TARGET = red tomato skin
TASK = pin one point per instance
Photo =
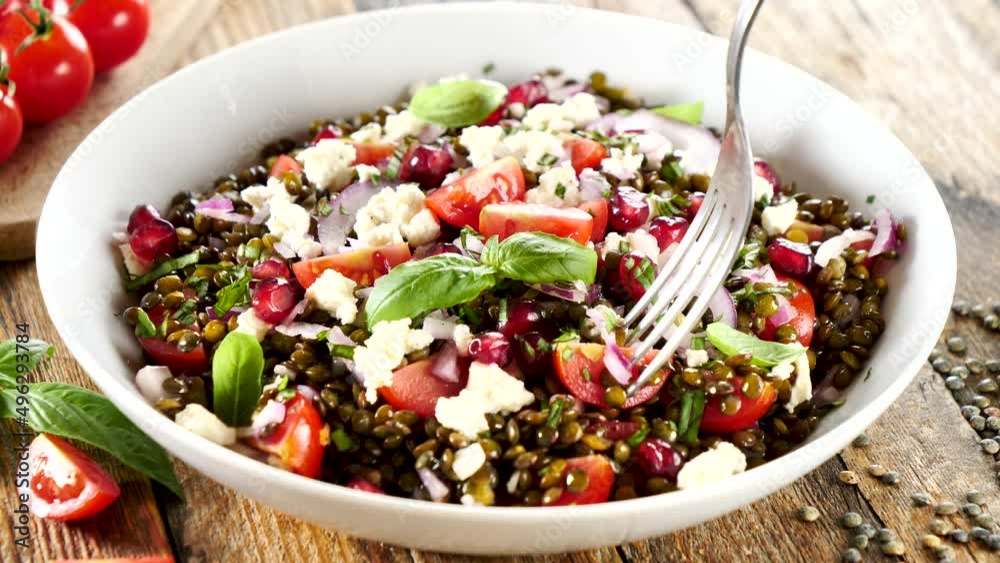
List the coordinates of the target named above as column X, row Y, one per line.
column 460, row 202
column 598, row 209
column 803, row 313
column 163, row 353
column 505, row 219
column 53, row 74
column 586, row 153
column 115, row 29
column 284, row 164
column 751, row 410
column 95, row 488
column 11, row 124
column 415, row 388
column 298, row 441
column 615, row 430
column 570, row 359
column 364, row 266
column 366, row 486
column 601, row 479
column 372, row 153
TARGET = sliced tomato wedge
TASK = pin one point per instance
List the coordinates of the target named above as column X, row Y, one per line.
column 372, row 153
column 802, row 313
column 586, row 153
column 813, row 232
column 364, row 266
column 598, row 209
column 415, row 388
column 299, row 440
column 66, row 484
column 600, row 481
column 366, row 486
column 284, row 164
column 751, row 410
column 505, row 219
column 460, row 202
column 580, row 365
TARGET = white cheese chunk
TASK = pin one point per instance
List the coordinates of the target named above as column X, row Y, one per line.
column 133, row 264
column 482, row 144
column 328, row 165
column 724, row 460
column 401, row 125
column 202, row 422
column 369, row 133
column 557, row 187
column 536, row 150
column 762, row 189
column 615, row 242
column 695, row 358
column 644, row 243
column 260, row 196
column 384, row 350
column 334, row 293
column 623, row 164
column 802, row 387
column 249, row 323
column 490, row 390
column 462, row 335
column 291, row 223
column 782, row 371
column 574, row 113
column 777, row 219
column 468, row 460
column 393, row 216
column 368, row 173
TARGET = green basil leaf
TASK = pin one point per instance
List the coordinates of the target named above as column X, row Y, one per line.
column 164, row 269
column 36, row 351
column 414, row 288
column 79, row 414
column 144, row 328
column 458, row 103
column 541, row 258
column 688, row 113
column 730, row 342
column 692, row 409
column 235, row 294
column 236, row 378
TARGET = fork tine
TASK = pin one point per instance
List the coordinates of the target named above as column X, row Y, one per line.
column 665, row 296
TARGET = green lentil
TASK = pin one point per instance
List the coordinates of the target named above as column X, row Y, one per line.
column 894, row 547
column 940, row 527
column 866, row 530
column 976, row 497
column 891, row 478
column 989, row 446
column 851, row 520
column 921, row 500
column 945, row 508
column 885, row 535
column 808, row 514
column 959, row 536
column 850, row 555
column 861, row 441
column 972, row 509
column 954, row 383
column 849, row 478
column 930, row 541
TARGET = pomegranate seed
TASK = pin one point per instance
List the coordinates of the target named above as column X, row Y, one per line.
column 629, row 210
column 668, row 230
column 636, row 273
column 155, row 238
column 527, row 93
column 767, row 172
column 491, row 348
column 790, row 258
column 435, row 248
column 533, row 353
column 522, row 317
column 658, row 459
column 329, row 132
column 271, row 268
column 426, row 166
column 696, row 199
column 273, row 300
column 141, row 215
column 366, row 486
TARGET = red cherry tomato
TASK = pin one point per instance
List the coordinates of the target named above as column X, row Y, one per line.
column 585, row 153
column 461, row 202
column 54, row 71
column 284, row 164
column 751, row 410
column 115, row 29
column 364, row 266
column 802, row 313
column 11, row 124
column 299, row 440
column 65, row 483
column 415, row 388
column 579, row 367
column 600, row 480
column 598, row 209
column 505, row 219
column 372, row 153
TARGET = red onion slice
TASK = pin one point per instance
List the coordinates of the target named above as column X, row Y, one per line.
column 307, row 392
column 220, row 208
column 885, row 232
column 337, row 336
column 593, row 185
column 272, row 413
column 576, row 292
column 295, row 312
column 309, row 331
column 445, row 366
column 833, row 247
column 436, row 489
column 332, row 230
column 698, row 147
column 614, row 359
column 149, row 380
column 723, row 307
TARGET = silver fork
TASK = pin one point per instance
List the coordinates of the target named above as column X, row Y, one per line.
column 699, row 265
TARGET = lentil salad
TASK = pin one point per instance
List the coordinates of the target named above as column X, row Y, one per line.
column 426, row 301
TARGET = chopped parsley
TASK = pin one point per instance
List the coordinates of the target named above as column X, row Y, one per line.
column 236, row 294
column 489, row 67
column 671, row 170
column 560, row 190
column 870, row 199
column 341, row 440
column 185, row 313
column 323, row 207
column 692, row 407
column 144, row 327
column 548, row 160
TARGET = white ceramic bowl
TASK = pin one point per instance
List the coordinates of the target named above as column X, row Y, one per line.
column 182, row 132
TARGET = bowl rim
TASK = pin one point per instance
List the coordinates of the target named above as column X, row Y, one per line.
column 762, row 480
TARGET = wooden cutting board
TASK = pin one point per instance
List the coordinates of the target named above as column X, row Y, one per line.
column 25, row 178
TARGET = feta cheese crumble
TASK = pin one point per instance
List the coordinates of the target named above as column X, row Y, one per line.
column 249, row 323
column 334, row 293
column 328, row 165
column 802, row 387
column 384, row 350
column 777, row 219
column 490, row 390
column 394, row 215
column 482, row 143
column 133, row 264
column 368, row 173
column 695, row 358
column 291, row 223
column 534, row 149
column 468, row 460
column 574, row 113
column 196, row 418
column 615, row 242
column 622, row 164
column 401, row 125
column 557, row 187
column 370, row 133
column 782, row 371
column 645, row 244
column 462, row 335
column 762, row 189
column 260, row 196
column 724, row 460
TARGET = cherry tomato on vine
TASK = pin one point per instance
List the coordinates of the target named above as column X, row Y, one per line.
column 115, row 29
column 11, row 123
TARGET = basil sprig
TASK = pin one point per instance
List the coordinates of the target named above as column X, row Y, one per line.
column 414, row 288
column 20, row 359
column 237, row 293
column 458, row 103
column 236, row 378
column 688, row 113
column 163, row 269
column 731, row 342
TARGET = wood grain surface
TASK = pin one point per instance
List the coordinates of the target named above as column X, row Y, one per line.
column 928, row 70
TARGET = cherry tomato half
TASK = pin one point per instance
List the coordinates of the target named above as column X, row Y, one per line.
column 460, row 202
column 802, row 313
column 600, row 480
column 415, row 388
column 505, row 219
column 65, row 483
column 364, row 266
column 713, row 420
column 580, row 365
column 299, row 440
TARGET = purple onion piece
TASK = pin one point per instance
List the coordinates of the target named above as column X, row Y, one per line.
column 436, row 489
column 698, row 147
column 614, row 359
column 885, row 232
column 332, row 230
column 445, row 365
column 575, row 293
column 272, row 413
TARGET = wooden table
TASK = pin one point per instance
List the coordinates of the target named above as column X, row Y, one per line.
column 928, row 70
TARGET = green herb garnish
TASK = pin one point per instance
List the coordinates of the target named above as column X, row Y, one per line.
column 164, row 269
column 236, row 294
column 692, row 407
column 236, row 378
column 144, row 327
column 458, row 103
column 341, row 440
column 731, row 342
column 541, row 258
column 689, row 113
column 342, row 351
